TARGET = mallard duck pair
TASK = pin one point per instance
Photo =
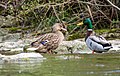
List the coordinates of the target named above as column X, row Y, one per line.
column 50, row 41
column 95, row 43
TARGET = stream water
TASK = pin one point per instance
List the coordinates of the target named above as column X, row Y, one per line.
column 65, row 65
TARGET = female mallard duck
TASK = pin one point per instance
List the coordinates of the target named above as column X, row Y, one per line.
column 95, row 43
column 50, row 41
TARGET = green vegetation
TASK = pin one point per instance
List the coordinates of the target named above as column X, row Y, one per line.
column 107, row 30
column 35, row 15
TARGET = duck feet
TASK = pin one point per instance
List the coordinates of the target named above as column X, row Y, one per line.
column 93, row 52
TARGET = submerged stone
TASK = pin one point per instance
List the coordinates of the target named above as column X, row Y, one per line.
column 20, row 57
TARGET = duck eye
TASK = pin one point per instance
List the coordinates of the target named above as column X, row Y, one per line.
column 61, row 25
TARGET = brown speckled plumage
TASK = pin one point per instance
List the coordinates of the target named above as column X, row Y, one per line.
column 50, row 40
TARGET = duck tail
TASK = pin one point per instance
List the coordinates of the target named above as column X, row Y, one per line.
column 34, row 44
column 108, row 46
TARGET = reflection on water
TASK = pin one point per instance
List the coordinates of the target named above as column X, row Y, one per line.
column 65, row 65
column 113, row 71
column 20, row 66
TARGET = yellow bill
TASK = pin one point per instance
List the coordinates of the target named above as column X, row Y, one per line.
column 81, row 23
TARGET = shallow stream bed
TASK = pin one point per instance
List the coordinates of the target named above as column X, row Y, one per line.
column 105, row 64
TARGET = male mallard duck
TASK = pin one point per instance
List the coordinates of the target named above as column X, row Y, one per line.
column 95, row 43
column 50, row 41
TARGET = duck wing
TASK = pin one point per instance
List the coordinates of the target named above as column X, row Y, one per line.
column 102, row 41
column 49, row 41
column 99, row 39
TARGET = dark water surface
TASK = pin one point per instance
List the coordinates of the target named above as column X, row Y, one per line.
column 65, row 65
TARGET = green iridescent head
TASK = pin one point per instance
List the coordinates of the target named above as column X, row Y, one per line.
column 87, row 22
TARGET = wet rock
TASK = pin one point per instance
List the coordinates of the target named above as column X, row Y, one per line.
column 20, row 57
column 1, row 38
column 3, row 32
column 116, row 46
column 112, row 35
column 11, row 37
column 79, row 46
column 75, row 46
column 11, row 45
column 2, row 19
column 15, row 45
column 6, row 21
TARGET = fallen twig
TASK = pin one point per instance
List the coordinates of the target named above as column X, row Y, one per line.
column 105, row 15
column 3, row 6
column 113, row 5
column 56, row 14
column 90, row 13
